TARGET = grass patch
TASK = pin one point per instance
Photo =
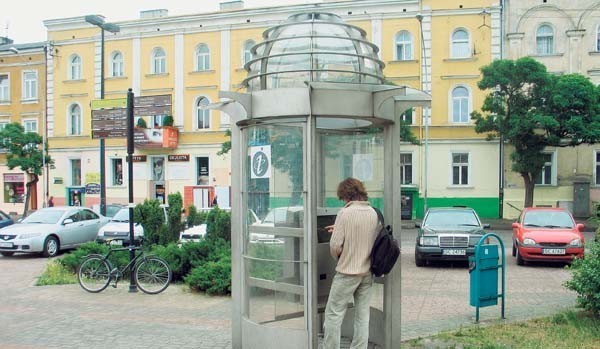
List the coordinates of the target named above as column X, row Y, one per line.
column 56, row 274
column 569, row 329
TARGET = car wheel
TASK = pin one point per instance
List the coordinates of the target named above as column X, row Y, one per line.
column 419, row 261
column 514, row 250
column 51, row 246
column 7, row 254
column 520, row 260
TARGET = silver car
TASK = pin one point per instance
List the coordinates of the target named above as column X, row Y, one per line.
column 50, row 230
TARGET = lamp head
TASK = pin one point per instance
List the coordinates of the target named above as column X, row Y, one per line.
column 14, row 50
column 419, row 17
column 94, row 20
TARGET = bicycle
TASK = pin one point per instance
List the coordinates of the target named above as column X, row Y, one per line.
column 151, row 274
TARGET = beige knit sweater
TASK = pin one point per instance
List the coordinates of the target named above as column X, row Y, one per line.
column 353, row 237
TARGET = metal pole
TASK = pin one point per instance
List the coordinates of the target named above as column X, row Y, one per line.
column 426, row 113
column 102, row 144
column 132, row 286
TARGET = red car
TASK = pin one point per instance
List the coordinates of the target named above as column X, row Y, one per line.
column 547, row 235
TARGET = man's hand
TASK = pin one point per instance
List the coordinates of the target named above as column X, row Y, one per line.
column 329, row 228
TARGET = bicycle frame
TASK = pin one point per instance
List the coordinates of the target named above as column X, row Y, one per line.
column 117, row 272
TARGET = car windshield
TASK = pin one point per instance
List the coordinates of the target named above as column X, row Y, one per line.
column 121, row 216
column 451, row 218
column 44, row 217
column 548, row 219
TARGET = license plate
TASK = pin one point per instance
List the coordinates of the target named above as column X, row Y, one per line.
column 553, row 251
column 6, row 244
column 454, row 252
column 116, row 242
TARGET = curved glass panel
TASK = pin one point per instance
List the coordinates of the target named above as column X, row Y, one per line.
column 313, row 47
column 274, row 254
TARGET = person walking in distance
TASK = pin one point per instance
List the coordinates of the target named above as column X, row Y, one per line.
column 353, row 235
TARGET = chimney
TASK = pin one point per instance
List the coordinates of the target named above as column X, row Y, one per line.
column 158, row 13
column 232, row 5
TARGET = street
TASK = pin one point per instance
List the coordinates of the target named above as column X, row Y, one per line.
column 434, row 298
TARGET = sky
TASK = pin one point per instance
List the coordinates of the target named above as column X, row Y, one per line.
column 22, row 21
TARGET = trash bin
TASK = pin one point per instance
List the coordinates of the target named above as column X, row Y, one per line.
column 483, row 272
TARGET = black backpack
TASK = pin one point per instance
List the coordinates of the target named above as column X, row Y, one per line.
column 386, row 249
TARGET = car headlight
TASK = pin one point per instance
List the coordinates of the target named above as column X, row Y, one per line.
column 29, row 235
column 576, row 243
column 428, row 241
column 528, row 242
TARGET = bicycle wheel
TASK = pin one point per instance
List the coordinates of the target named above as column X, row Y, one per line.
column 152, row 275
column 93, row 274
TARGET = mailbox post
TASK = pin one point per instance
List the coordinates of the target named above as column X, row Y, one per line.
column 483, row 270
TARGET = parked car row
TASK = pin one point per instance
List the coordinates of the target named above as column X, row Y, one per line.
column 540, row 234
column 53, row 229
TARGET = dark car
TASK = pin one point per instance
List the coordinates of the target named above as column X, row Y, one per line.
column 5, row 220
column 448, row 234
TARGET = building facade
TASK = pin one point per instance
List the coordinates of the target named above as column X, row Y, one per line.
column 565, row 37
column 22, row 100
column 429, row 45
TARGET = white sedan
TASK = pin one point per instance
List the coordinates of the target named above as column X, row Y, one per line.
column 50, row 230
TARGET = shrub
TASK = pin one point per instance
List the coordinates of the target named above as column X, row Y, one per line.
column 213, row 277
column 151, row 216
column 218, row 224
column 141, row 123
column 174, row 218
column 72, row 259
column 168, row 120
column 194, row 217
column 586, row 280
column 175, row 257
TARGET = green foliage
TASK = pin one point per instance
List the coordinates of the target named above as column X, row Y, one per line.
column 218, row 224
column 56, row 274
column 174, row 223
column 266, row 269
column 168, row 120
column 72, row 259
column 194, row 217
column 141, row 123
column 226, row 146
column 175, row 257
column 151, row 215
column 213, row 277
column 532, row 109
column 586, row 279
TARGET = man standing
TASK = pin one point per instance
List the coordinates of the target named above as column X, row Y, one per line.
column 354, row 234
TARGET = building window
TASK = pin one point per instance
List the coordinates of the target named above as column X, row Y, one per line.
column 546, row 175
column 74, row 120
column 203, row 171
column 117, row 64
column 14, row 187
column 460, row 44
column 597, row 167
column 3, row 125
column 460, row 105
column 30, row 125
column 75, row 67
column 202, row 114
column 545, row 40
column 406, row 168
column 404, row 46
column 407, row 116
column 117, row 171
column 598, row 39
column 247, row 51
column 460, row 168
column 30, row 84
column 4, row 88
column 76, row 172
column 202, row 57
column 159, row 61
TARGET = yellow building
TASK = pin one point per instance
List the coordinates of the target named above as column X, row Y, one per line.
column 193, row 57
column 22, row 100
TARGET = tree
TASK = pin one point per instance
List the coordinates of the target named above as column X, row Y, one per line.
column 23, row 150
column 531, row 109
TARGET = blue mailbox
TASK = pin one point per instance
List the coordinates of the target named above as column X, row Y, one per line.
column 483, row 270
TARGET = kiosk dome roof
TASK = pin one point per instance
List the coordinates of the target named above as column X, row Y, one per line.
column 313, row 47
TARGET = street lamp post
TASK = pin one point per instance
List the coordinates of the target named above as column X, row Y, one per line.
column 113, row 28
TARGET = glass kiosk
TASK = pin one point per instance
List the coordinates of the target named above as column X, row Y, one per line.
column 316, row 111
